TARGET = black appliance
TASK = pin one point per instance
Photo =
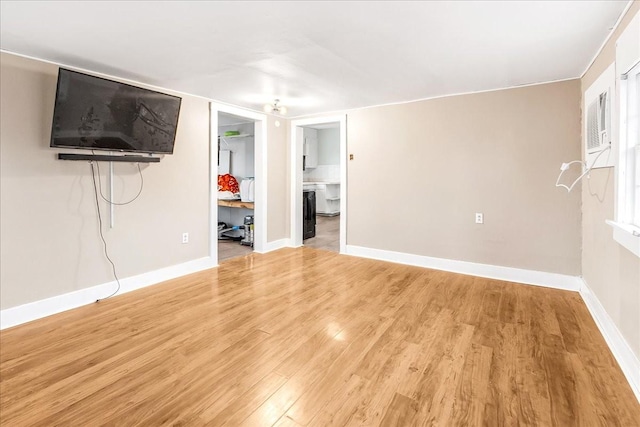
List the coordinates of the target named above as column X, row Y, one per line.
column 308, row 214
column 99, row 114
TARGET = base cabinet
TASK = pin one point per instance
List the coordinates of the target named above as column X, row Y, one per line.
column 327, row 197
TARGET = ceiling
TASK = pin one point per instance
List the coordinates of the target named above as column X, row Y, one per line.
column 323, row 126
column 316, row 56
column 226, row 119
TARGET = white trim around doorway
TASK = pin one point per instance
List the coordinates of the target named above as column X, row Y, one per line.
column 260, row 140
column 296, row 176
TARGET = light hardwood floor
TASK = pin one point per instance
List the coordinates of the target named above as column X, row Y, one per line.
column 309, row 337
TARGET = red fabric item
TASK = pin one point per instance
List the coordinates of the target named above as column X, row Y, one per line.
column 227, row 182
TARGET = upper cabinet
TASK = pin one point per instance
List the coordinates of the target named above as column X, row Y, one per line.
column 310, row 149
column 311, row 152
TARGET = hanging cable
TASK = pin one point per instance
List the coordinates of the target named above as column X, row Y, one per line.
column 119, row 203
column 104, row 242
column 566, row 166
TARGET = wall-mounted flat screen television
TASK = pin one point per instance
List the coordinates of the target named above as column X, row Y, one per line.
column 99, row 114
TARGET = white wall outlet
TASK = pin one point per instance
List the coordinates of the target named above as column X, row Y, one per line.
column 479, row 218
column 185, row 237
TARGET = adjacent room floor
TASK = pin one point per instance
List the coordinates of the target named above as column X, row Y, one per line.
column 309, row 337
column 228, row 249
column 327, row 238
column 327, row 234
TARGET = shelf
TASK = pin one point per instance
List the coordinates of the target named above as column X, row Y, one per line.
column 320, row 183
column 244, row 135
column 235, row 204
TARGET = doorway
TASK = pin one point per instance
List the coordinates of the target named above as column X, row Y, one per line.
column 238, row 187
column 319, row 183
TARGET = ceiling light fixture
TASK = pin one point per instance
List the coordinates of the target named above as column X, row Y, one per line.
column 275, row 108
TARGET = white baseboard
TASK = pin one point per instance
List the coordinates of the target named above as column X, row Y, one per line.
column 38, row 309
column 626, row 358
column 529, row 277
column 628, row 361
column 277, row 244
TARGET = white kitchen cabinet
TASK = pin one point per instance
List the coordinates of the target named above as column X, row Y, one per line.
column 327, row 197
column 310, row 152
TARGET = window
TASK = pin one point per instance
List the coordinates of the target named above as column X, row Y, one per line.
column 629, row 175
column 626, row 227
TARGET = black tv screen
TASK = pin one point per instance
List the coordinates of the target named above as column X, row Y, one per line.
column 99, row 114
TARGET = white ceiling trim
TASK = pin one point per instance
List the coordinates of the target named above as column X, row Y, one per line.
column 313, row 115
column 138, row 83
column 431, row 98
column 604, row 43
column 322, row 56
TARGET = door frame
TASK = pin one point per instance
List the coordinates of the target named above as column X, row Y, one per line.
column 260, row 166
column 296, row 176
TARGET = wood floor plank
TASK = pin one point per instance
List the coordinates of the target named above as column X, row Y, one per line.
column 401, row 412
column 308, row 364
column 305, row 337
column 501, row 408
column 285, row 422
column 530, row 342
column 303, row 375
column 243, row 405
column 437, row 389
column 336, row 410
column 437, row 338
column 383, row 386
column 339, row 373
column 471, row 394
column 196, row 385
column 560, row 381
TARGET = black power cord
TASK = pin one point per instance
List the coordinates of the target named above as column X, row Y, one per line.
column 122, row 203
column 104, row 242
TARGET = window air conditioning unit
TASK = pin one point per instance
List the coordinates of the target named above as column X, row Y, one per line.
column 599, row 123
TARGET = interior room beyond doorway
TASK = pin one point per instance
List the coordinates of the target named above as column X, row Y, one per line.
column 321, row 186
column 236, row 186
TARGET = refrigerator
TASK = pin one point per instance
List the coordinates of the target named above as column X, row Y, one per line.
column 308, row 214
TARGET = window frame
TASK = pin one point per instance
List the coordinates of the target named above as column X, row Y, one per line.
column 626, row 227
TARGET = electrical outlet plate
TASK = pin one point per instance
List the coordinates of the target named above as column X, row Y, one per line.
column 185, row 237
column 479, row 218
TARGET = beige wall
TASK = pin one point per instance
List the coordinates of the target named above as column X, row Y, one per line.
column 423, row 169
column 611, row 271
column 50, row 242
column 277, row 179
